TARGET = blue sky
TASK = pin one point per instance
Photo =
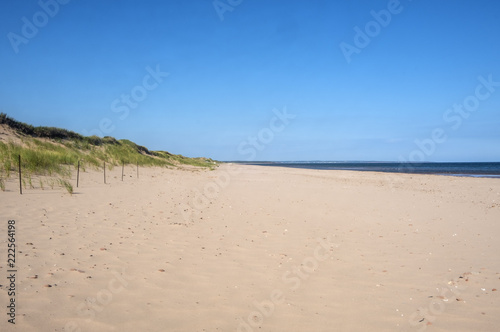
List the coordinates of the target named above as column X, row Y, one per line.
column 223, row 74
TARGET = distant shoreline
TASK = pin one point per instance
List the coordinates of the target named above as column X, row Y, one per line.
column 461, row 169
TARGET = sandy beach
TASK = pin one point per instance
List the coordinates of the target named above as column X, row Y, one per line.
column 249, row 248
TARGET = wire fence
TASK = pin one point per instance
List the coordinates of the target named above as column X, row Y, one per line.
column 65, row 183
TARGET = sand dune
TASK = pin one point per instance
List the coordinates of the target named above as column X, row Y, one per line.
column 246, row 248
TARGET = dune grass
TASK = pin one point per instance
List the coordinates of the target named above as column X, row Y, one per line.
column 49, row 151
column 66, row 185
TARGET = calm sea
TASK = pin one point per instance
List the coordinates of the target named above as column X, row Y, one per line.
column 484, row 169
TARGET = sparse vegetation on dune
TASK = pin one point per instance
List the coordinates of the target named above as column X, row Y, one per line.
column 52, row 151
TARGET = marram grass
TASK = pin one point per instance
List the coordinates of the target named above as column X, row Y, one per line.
column 48, row 151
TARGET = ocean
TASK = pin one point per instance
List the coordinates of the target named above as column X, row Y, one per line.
column 474, row 169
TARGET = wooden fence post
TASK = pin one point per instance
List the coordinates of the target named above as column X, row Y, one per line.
column 20, row 180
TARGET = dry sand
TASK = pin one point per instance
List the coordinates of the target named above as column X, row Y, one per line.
column 247, row 248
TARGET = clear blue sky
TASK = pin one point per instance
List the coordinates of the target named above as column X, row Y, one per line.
column 226, row 76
